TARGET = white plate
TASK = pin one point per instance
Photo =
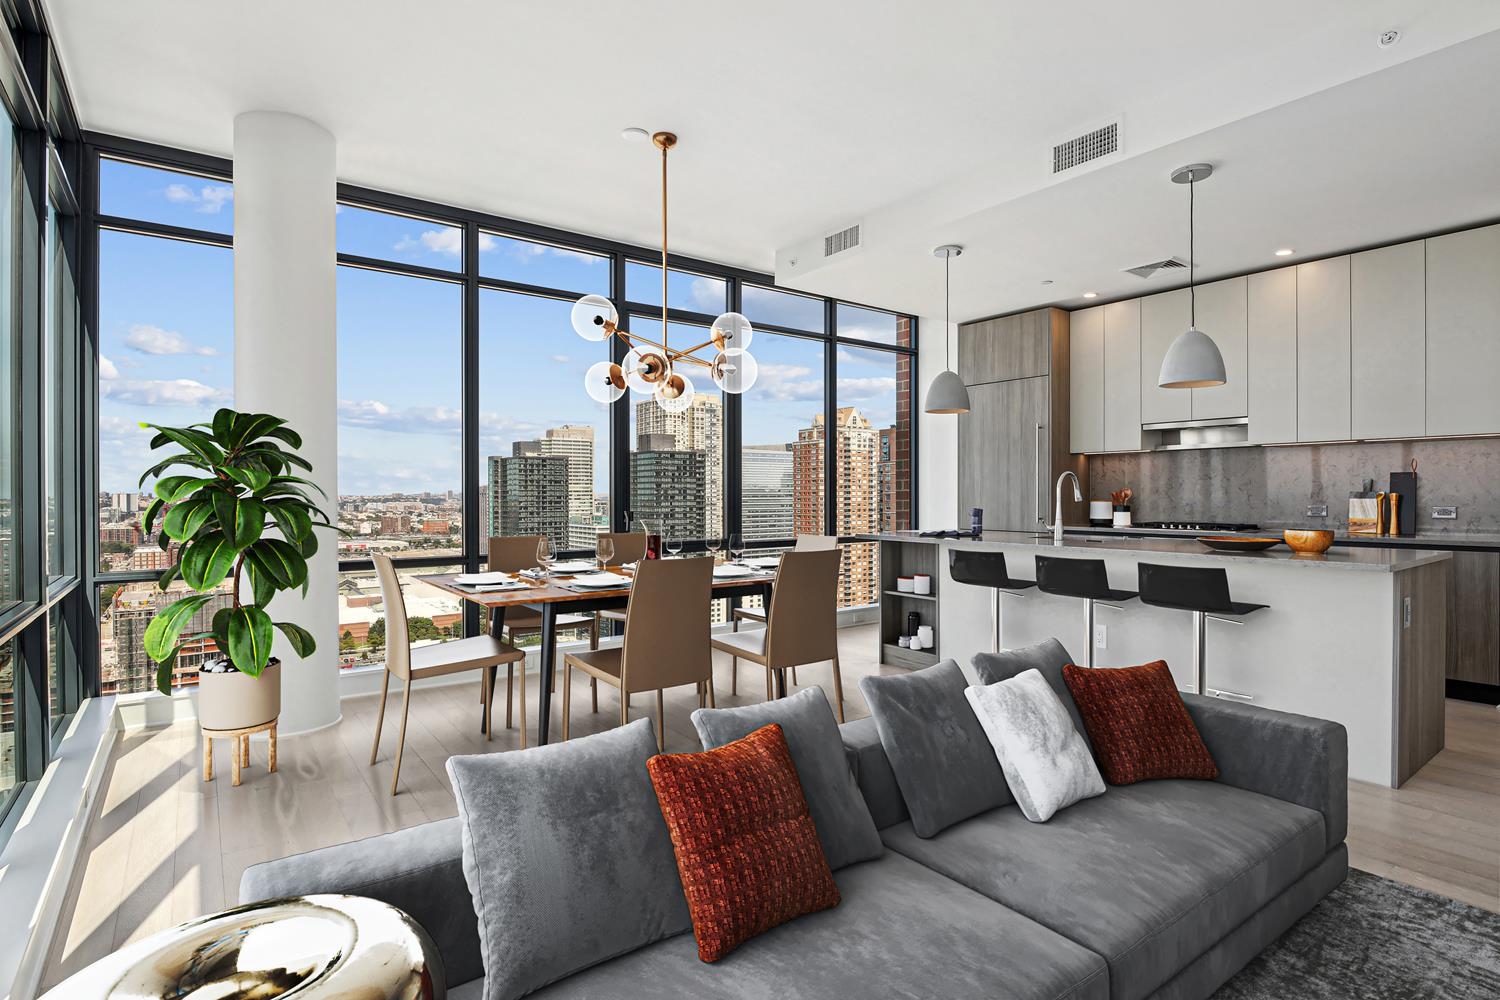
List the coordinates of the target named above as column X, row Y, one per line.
column 573, row 566
column 728, row 571
column 481, row 579
column 764, row 562
column 491, row 588
column 604, row 581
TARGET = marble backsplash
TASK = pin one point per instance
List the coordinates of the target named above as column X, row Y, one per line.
column 1272, row 486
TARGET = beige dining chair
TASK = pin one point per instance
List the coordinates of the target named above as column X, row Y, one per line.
column 630, row 546
column 801, row 623
column 413, row 664
column 805, row 543
column 512, row 554
column 666, row 640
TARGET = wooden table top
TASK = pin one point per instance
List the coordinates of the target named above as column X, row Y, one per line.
column 539, row 592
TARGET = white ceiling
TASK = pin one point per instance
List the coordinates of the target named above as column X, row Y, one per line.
column 929, row 123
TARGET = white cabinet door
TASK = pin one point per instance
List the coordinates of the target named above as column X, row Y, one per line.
column 1463, row 332
column 1272, row 328
column 1387, row 342
column 1164, row 318
column 1323, row 350
column 1086, row 381
column 1122, row 376
column 1221, row 315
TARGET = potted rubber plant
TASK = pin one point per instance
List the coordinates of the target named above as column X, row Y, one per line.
column 233, row 502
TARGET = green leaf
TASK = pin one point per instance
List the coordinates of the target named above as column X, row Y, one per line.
column 241, row 520
column 184, row 519
column 160, row 467
column 294, row 521
column 249, row 639
column 223, row 424
column 253, row 479
column 207, row 559
column 291, row 437
column 160, row 640
column 149, row 518
column 174, row 488
column 262, row 586
column 301, row 639
column 220, row 629
column 171, row 573
column 164, row 674
column 281, row 560
column 193, row 440
column 251, row 426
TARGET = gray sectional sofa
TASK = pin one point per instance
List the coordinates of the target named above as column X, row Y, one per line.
column 1162, row 889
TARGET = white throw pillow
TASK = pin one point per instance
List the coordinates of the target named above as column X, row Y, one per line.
column 1045, row 759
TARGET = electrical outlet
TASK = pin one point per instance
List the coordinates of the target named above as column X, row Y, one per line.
column 1406, row 612
column 1317, row 510
column 1444, row 513
column 1101, row 636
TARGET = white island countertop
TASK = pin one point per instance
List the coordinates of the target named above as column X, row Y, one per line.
column 1391, row 560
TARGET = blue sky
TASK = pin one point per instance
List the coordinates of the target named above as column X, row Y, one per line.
column 166, row 341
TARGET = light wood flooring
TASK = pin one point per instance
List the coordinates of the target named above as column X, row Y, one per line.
column 165, row 846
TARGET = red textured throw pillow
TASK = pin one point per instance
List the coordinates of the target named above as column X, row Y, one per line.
column 1138, row 724
column 747, row 849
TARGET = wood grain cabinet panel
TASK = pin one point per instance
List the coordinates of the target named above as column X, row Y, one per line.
column 1387, row 342
column 1474, row 617
column 1086, row 377
column 1004, row 443
column 1164, row 318
column 1271, row 325
column 1323, row 350
column 1463, row 332
column 1008, row 347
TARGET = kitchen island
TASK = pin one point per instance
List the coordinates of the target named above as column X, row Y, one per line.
column 1356, row 635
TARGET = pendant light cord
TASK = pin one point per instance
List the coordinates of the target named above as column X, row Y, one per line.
column 947, row 357
column 1192, row 257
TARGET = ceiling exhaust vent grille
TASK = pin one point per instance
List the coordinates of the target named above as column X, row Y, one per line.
column 1147, row 270
column 844, row 239
column 1084, row 148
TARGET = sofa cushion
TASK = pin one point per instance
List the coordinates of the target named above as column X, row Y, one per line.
column 1149, row 876
column 902, row 931
column 566, row 855
column 1047, row 657
column 812, row 735
column 1140, row 728
column 746, row 846
column 942, row 759
column 872, row 771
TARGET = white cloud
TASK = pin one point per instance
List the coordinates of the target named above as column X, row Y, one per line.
column 707, row 294
column 148, row 339
column 375, row 415
column 107, row 368
column 562, row 359
column 788, row 383
column 866, row 388
column 209, row 199
column 448, row 241
column 160, row 392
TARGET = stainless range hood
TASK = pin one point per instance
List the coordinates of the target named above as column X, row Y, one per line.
column 1188, row 435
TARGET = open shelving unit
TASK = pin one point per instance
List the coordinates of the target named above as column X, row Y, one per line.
column 907, row 559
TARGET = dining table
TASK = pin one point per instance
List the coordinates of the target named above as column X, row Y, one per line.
column 554, row 595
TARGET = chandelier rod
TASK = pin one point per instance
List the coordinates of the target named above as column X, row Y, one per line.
column 664, row 147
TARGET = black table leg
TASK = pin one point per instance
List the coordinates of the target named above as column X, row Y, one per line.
column 549, row 654
column 497, row 629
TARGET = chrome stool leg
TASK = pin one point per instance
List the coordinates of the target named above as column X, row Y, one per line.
column 1200, row 684
column 995, row 643
column 1088, row 631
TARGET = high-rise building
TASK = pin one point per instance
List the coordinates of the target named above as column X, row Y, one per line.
column 855, row 455
column 574, row 442
column 667, row 486
column 394, row 524
column 766, row 485
column 529, row 496
column 698, row 428
column 131, row 610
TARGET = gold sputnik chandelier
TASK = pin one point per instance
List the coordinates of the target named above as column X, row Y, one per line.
column 653, row 368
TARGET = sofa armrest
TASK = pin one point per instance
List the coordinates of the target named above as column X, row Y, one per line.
column 1294, row 758
column 872, row 772
column 418, row 870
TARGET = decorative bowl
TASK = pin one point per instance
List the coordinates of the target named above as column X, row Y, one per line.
column 1308, row 540
column 1238, row 543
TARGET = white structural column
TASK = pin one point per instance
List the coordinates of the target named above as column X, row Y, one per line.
column 285, row 196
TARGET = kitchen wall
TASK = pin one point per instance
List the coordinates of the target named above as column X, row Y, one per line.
column 1273, row 486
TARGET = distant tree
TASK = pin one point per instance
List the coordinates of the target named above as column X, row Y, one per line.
column 346, row 642
column 376, row 637
column 420, row 628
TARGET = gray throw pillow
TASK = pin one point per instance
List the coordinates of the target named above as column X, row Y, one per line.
column 812, row 735
column 1047, row 658
column 567, row 857
column 944, row 764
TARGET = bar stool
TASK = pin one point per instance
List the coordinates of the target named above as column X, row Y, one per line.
column 1205, row 592
column 986, row 569
column 1085, row 579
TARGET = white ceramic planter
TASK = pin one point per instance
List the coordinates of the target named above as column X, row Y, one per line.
column 239, row 701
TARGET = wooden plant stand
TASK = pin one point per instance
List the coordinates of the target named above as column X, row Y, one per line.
column 239, row 748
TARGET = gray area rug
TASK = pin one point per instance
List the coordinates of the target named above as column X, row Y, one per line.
column 1374, row 939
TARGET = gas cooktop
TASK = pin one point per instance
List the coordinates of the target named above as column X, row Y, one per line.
column 1199, row 526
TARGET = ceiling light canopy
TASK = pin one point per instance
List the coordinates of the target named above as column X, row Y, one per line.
column 1193, row 361
column 947, row 393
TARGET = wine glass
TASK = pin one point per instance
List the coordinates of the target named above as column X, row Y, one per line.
column 713, row 543
column 675, row 543
column 545, row 554
column 736, row 546
column 605, row 551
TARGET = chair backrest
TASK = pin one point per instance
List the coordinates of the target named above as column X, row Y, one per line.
column 512, row 553
column 1202, row 588
column 802, row 622
column 816, row 543
column 397, row 640
column 1072, row 577
column 666, row 625
column 630, row 546
column 978, row 568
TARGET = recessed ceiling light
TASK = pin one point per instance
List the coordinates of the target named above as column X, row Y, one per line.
column 1046, row 281
column 634, row 134
column 1091, row 295
column 1285, row 252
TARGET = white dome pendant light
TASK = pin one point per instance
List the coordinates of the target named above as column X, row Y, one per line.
column 1193, row 361
column 947, row 393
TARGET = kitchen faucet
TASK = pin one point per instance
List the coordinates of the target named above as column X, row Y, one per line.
column 1057, row 521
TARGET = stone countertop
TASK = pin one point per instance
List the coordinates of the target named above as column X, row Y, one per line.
column 1440, row 540
column 1362, row 558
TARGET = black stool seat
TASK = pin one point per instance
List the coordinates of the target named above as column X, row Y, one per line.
column 1082, row 578
column 983, row 569
column 1190, row 588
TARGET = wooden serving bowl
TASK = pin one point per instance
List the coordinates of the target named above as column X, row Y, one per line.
column 1308, row 540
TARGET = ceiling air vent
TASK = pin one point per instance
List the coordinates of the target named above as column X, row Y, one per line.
column 1082, row 149
column 1147, row 270
column 844, row 239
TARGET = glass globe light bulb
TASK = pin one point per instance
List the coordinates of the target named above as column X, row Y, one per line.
column 676, row 394
column 732, row 330
column 590, row 314
column 604, row 382
column 735, row 370
column 644, row 370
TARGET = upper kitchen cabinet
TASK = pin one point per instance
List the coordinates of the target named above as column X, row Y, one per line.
column 1463, row 332
column 1323, row 350
column 1222, row 312
column 1008, row 347
column 1122, row 376
column 1272, row 329
column 1387, row 346
column 1164, row 318
column 1086, row 360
